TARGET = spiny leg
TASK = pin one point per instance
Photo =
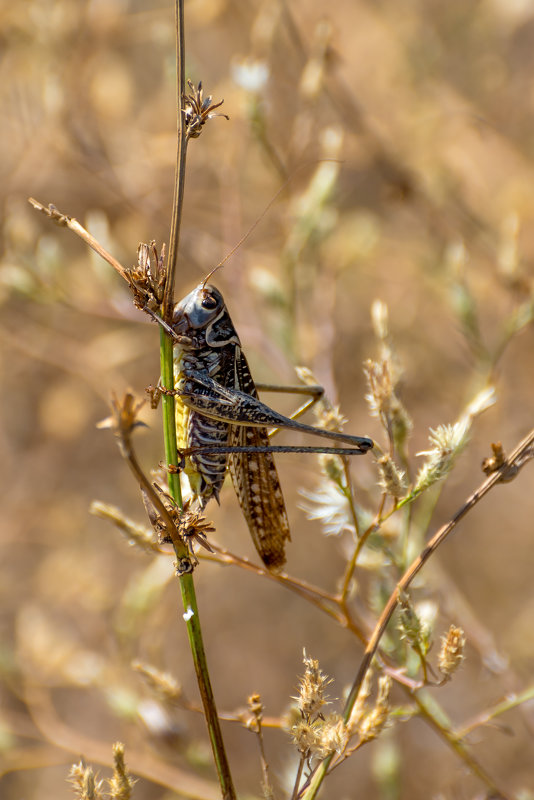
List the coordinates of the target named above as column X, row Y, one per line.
column 205, row 396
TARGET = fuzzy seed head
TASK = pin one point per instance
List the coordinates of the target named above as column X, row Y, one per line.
column 383, row 401
column 451, row 654
column 305, row 737
column 121, row 783
column 84, row 783
column 360, row 706
column 312, row 695
column 375, row 722
column 409, row 623
column 380, row 397
column 447, row 442
column 392, row 478
column 332, row 736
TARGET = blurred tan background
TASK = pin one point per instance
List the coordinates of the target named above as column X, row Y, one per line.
column 406, row 131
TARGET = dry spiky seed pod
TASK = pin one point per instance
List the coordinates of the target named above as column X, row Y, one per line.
column 198, row 110
column 147, row 279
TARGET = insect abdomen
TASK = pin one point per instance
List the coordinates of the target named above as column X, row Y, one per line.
column 205, row 471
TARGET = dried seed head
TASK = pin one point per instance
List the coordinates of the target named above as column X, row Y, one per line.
column 319, row 738
column 374, row 723
column 83, row 781
column 448, row 441
column 305, row 737
column 392, row 479
column 359, row 708
column 194, row 527
column 384, row 403
column 121, row 783
column 409, row 623
column 451, row 654
column 197, row 110
column 312, row 696
column 380, row 397
column 332, row 736
column 163, row 683
column 123, row 419
column 147, row 279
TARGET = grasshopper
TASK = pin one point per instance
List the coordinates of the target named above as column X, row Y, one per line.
column 222, row 424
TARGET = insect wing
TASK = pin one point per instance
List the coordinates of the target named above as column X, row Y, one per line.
column 256, row 482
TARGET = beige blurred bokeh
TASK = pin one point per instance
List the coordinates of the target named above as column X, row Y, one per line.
column 405, row 134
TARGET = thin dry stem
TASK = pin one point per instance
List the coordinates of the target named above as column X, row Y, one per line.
column 72, row 224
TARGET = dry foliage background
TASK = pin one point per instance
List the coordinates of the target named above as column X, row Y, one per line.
column 428, row 108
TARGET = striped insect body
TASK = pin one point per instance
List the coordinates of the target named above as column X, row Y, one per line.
column 222, row 424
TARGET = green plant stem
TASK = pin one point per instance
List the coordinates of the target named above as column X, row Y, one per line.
column 187, row 586
column 179, row 176
column 191, row 615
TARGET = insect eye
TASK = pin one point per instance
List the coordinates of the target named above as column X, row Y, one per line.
column 209, row 302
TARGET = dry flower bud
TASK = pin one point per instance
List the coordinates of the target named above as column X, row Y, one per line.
column 255, row 706
column 451, row 654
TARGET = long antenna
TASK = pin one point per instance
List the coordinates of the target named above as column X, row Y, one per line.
column 259, row 219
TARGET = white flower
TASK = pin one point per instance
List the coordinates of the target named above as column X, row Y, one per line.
column 329, row 505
